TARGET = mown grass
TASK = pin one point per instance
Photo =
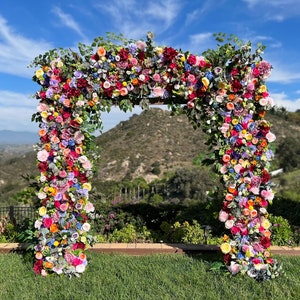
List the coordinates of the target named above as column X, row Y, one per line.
column 159, row 277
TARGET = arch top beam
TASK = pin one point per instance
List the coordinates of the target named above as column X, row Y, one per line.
column 222, row 91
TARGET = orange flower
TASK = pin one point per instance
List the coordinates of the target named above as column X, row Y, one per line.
column 226, row 158
column 82, row 256
column 48, row 265
column 263, row 143
column 230, row 106
column 54, row 228
column 42, row 132
column 262, row 113
column 231, row 189
column 229, row 197
column 78, row 150
column 253, row 213
column 135, row 81
column 47, row 147
column 246, row 212
column 91, row 103
column 231, row 97
column 101, row 51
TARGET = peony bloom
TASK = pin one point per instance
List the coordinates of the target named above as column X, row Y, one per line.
column 42, row 155
column 267, row 195
column 270, row 137
column 223, row 216
column 234, row 268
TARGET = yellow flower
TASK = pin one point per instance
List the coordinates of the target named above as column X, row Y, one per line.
column 87, row 186
column 205, row 81
column 221, row 85
column 265, row 223
column 39, row 73
column 56, row 96
column 235, row 121
column 56, row 243
column 59, row 64
column 262, row 89
column 42, row 211
column 83, row 239
column 124, row 83
column 225, row 248
column 44, row 114
column 78, row 120
column 248, row 136
column 159, row 50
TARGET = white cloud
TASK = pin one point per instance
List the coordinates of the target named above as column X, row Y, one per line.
column 282, row 100
column 16, row 111
column 135, row 18
column 17, row 52
column 276, row 10
column 68, row 21
column 283, row 75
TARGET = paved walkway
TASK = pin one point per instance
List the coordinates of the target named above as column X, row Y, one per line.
column 153, row 248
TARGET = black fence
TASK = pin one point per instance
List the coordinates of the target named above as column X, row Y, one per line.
column 17, row 214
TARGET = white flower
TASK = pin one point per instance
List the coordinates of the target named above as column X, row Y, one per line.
column 86, row 227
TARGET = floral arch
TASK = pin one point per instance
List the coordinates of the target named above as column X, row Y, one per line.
column 222, row 91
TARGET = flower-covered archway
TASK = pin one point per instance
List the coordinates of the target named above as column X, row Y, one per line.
column 222, row 91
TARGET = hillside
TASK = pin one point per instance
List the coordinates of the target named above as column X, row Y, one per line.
column 133, row 148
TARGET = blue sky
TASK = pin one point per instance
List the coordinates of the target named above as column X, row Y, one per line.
column 29, row 28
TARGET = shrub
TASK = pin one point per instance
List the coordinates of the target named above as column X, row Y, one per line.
column 282, row 234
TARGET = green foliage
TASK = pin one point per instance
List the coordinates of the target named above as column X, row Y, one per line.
column 130, row 234
column 186, row 233
column 282, row 233
column 289, row 154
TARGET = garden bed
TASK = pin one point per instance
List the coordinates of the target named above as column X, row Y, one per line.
column 152, row 248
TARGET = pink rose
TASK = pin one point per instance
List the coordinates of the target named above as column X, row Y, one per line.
column 156, row 77
column 223, row 216
column 270, row 137
column 229, row 224
column 76, row 261
column 234, row 268
column 78, row 137
column 43, row 155
column 267, row 194
column 47, row 222
column 89, row 207
column 190, row 104
column 158, row 92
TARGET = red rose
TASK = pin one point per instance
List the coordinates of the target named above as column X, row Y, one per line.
column 265, row 242
column 236, row 85
column 43, row 166
column 78, row 246
column 169, row 53
column 42, row 94
column 192, row 59
column 82, row 83
column 234, row 230
column 38, row 266
column 123, row 54
column 227, row 258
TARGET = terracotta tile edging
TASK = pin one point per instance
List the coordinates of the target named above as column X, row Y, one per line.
column 153, row 248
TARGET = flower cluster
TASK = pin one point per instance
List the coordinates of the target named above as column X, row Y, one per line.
column 229, row 99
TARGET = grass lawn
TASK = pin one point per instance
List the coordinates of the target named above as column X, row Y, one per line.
column 159, row 277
